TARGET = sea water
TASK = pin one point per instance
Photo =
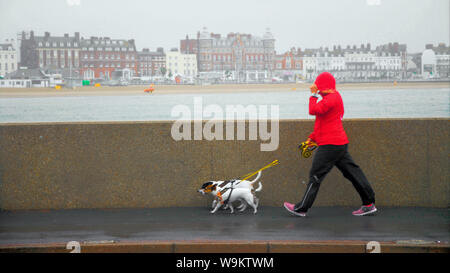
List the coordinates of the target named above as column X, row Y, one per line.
column 368, row 103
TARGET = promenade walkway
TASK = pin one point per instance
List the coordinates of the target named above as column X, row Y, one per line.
column 195, row 229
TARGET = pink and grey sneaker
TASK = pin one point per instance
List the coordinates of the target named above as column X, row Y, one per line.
column 365, row 210
column 290, row 207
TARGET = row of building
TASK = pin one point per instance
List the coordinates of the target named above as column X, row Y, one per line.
column 253, row 58
column 210, row 56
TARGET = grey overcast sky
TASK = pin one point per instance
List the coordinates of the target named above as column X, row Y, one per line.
column 294, row 23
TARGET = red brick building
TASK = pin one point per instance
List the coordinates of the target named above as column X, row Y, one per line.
column 289, row 64
column 291, row 60
column 99, row 57
column 189, row 46
column 243, row 56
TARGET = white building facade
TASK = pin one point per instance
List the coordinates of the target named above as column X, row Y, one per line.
column 436, row 61
column 357, row 63
column 8, row 59
column 179, row 64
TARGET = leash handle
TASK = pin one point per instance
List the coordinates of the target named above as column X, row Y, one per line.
column 307, row 147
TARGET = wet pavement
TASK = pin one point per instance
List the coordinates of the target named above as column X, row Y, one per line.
column 270, row 223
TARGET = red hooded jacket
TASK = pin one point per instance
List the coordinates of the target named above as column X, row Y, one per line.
column 329, row 112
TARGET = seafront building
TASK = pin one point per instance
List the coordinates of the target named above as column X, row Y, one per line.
column 236, row 56
column 76, row 57
column 8, row 59
column 151, row 63
column 50, row 52
column 315, row 61
column 101, row 56
column 289, row 65
column 435, row 61
column 248, row 58
column 211, row 57
column 180, row 64
column 391, row 61
column 357, row 63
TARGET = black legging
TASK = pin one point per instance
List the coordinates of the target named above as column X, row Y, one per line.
column 325, row 158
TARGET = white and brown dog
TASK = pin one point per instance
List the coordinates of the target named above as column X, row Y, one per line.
column 226, row 192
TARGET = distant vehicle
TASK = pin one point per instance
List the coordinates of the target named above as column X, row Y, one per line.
column 117, row 83
column 277, row 79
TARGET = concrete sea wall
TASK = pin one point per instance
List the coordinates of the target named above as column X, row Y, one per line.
column 138, row 164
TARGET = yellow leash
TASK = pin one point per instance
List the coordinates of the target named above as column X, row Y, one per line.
column 247, row 176
column 219, row 194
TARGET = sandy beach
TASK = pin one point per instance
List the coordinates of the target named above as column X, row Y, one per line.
column 223, row 88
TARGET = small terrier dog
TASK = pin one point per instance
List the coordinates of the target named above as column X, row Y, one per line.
column 226, row 192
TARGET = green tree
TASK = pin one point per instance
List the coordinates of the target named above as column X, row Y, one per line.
column 163, row 70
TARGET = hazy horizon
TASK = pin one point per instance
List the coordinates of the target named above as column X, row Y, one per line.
column 300, row 24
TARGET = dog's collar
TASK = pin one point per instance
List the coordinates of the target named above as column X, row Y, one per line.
column 220, row 193
column 219, row 196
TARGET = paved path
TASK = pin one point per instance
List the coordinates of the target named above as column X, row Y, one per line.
column 271, row 223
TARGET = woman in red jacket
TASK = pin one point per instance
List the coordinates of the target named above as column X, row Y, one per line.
column 329, row 134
